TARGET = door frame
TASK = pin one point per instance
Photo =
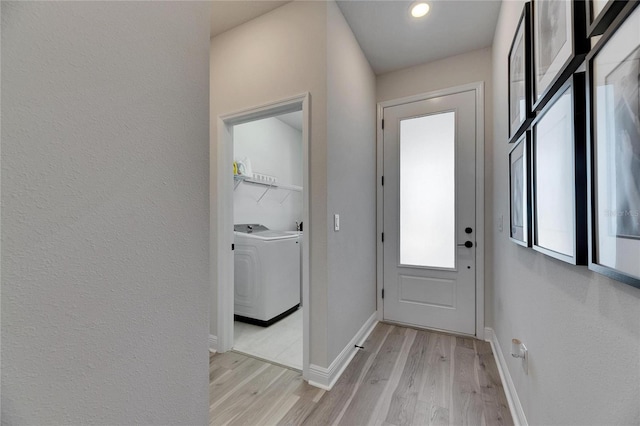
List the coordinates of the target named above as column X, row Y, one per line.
column 478, row 87
column 224, row 224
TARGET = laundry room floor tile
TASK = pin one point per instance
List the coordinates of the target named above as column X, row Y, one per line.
column 280, row 343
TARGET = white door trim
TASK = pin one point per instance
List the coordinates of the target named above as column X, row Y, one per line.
column 223, row 146
column 478, row 87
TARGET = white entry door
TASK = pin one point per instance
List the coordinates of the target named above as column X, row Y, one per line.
column 429, row 212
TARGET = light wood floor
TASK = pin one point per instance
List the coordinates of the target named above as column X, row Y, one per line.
column 402, row 376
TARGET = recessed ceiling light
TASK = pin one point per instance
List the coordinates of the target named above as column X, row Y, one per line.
column 418, row 10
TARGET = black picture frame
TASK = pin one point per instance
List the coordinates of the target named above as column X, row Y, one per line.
column 519, row 76
column 597, row 23
column 619, row 234
column 559, row 45
column 520, row 230
column 553, row 154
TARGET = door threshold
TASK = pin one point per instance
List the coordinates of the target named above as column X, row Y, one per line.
column 435, row 330
column 270, row 361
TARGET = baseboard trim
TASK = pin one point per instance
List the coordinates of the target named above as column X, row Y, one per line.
column 515, row 407
column 325, row 378
column 213, row 344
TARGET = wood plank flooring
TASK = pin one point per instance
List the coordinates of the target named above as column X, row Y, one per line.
column 402, row 376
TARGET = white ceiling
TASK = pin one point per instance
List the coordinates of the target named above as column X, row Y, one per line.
column 293, row 119
column 389, row 37
column 226, row 14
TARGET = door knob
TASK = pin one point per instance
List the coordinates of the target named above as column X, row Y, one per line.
column 467, row 244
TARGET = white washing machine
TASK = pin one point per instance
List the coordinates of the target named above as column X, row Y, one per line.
column 267, row 274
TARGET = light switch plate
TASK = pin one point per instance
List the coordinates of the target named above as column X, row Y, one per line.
column 336, row 222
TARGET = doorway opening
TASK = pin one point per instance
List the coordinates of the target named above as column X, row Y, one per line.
column 268, row 227
column 263, row 222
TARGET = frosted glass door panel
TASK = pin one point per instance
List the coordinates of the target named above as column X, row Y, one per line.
column 427, row 191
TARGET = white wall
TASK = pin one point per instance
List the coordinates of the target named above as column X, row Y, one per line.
column 104, row 212
column 300, row 47
column 445, row 73
column 351, row 171
column 273, row 57
column 275, row 149
column 582, row 329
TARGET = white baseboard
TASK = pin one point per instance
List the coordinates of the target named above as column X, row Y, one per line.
column 213, row 343
column 515, row 407
column 325, row 378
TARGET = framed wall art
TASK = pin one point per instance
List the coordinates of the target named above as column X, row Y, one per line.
column 559, row 45
column 520, row 191
column 614, row 150
column 600, row 14
column 519, row 88
column 559, row 204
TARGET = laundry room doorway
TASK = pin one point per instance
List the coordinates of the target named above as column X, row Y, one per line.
column 262, row 248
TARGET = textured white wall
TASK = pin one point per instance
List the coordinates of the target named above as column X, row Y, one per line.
column 275, row 149
column 351, row 172
column 450, row 72
column 273, row 57
column 104, row 212
column 582, row 329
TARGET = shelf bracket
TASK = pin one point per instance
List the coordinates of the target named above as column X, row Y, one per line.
column 285, row 197
column 264, row 193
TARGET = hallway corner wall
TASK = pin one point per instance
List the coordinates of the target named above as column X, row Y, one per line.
column 351, row 174
column 276, row 56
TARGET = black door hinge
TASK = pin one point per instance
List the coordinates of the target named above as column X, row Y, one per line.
column 383, row 293
column 233, row 246
column 382, row 180
column 383, row 237
column 383, row 123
